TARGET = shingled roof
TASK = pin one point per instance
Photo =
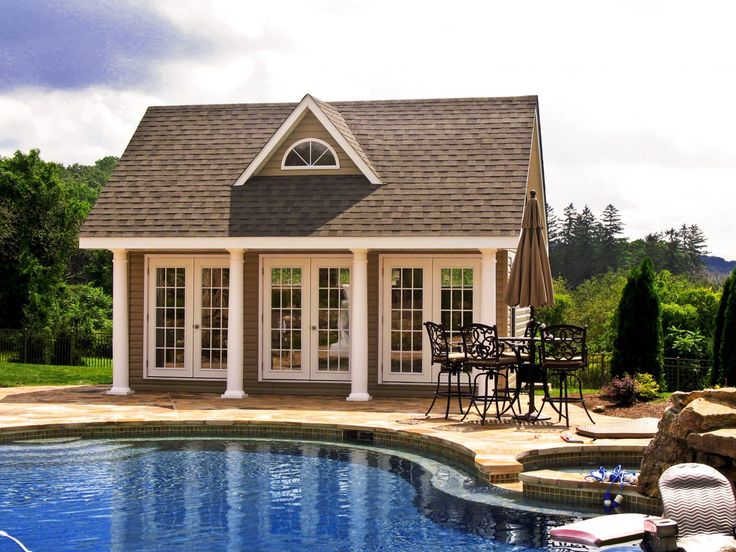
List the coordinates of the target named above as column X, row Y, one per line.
column 448, row 167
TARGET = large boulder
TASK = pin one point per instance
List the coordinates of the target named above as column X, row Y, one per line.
column 698, row 427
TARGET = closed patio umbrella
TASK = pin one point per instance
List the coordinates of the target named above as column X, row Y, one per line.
column 530, row 281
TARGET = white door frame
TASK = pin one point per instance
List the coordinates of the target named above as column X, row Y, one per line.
column 431, row 307
column 389, row 264
column 269, row 263
column 192, row 266
column 198, row 371
column 316, row 264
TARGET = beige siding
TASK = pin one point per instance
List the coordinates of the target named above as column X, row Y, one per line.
column 534, row 178
column 137, row 328
column 251, row 343
column 308, row 127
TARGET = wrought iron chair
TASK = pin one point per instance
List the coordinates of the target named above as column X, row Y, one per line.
column 484, row 352
column 452, row 363
column 564, row 355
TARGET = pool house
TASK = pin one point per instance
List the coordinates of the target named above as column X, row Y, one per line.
column 298, row 248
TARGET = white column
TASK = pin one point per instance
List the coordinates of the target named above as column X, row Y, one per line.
column 487, row 286
column 235, row 328
column 120, row 342
column 359, row 327
column 487, row 297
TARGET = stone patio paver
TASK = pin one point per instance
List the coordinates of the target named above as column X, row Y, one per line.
column 495, row 445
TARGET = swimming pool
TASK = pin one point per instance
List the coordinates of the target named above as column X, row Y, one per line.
column 247, row 494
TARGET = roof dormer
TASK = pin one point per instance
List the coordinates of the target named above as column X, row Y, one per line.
column 313, row 138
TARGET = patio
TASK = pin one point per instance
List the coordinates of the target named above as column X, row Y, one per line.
column 50, row 411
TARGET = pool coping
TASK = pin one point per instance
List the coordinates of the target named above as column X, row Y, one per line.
column 421, row 443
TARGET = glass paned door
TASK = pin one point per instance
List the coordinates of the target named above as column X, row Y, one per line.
column 187, row 317
column 456, row 295
column 456, row 299
column 284, row 321
column 330, row 319
column 212, row 279
column 170, row 319
column 406, row 306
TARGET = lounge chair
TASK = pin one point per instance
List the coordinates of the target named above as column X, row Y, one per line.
column 701, row 501
column 699, row 508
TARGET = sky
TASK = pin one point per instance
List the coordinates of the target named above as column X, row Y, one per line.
column 636, row 97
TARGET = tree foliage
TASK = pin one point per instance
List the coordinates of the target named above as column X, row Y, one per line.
column 593, row 304
column 43, row 220
column 638, row 345
column 582, row 246
column 42, row 206
column 724, row 340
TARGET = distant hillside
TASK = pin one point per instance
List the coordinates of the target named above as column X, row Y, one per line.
column 718, row 265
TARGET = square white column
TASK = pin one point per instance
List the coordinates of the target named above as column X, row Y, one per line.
column 487, row 286
column 235, row 328
column 359, row 327
column 120, row 341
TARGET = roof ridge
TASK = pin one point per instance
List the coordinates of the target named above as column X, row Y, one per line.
column 352, row 102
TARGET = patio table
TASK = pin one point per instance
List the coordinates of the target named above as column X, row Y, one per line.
column 534, row 369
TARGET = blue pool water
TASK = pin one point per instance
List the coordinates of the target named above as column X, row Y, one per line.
column 202, row 495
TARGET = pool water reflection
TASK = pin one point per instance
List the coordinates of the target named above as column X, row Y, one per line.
column 205, row 494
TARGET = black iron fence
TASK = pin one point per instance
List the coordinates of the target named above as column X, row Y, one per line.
column 681, row 374
column 64, row 349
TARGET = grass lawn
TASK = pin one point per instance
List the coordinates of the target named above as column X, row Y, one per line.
column 15, row 375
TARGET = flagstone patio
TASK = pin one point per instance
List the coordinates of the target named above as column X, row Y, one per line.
column 493, row 447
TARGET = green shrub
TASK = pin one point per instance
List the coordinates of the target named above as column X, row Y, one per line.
column 639, row 340
column 685, row 343
column 647, row 389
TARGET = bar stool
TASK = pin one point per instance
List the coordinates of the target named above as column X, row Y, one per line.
column 484, row 352
column 452, row 363
column 564, row 356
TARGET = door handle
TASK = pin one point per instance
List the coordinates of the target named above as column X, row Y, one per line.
column 314, row 327
column 196, row 326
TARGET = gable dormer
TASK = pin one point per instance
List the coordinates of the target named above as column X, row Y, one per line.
column 314, row 129
column 308, row 148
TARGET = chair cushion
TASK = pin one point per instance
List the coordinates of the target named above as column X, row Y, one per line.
column 525, row 357
column 574, row 361
column 601, row 530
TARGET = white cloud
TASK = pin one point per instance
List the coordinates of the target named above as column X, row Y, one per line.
column 635, row 96
column 71, row 126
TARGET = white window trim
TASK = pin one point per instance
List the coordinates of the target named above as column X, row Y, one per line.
column 285, row 167
column 148, row 373
column 263, row 262
column 438, row 261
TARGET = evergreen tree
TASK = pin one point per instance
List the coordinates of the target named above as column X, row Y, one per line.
column 693, row 247
column 716, row 374
column 585, row 246
column 553, row 226
column 727, row 356
column 638, row 346
column 610, row 242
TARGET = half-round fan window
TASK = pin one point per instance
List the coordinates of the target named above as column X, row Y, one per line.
column 310, row 153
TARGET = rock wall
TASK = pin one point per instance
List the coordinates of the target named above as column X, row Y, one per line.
column 698, row 427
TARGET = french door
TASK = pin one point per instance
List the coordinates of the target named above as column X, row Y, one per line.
column 187, row 317
column 415, row 290
column 306, row 316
